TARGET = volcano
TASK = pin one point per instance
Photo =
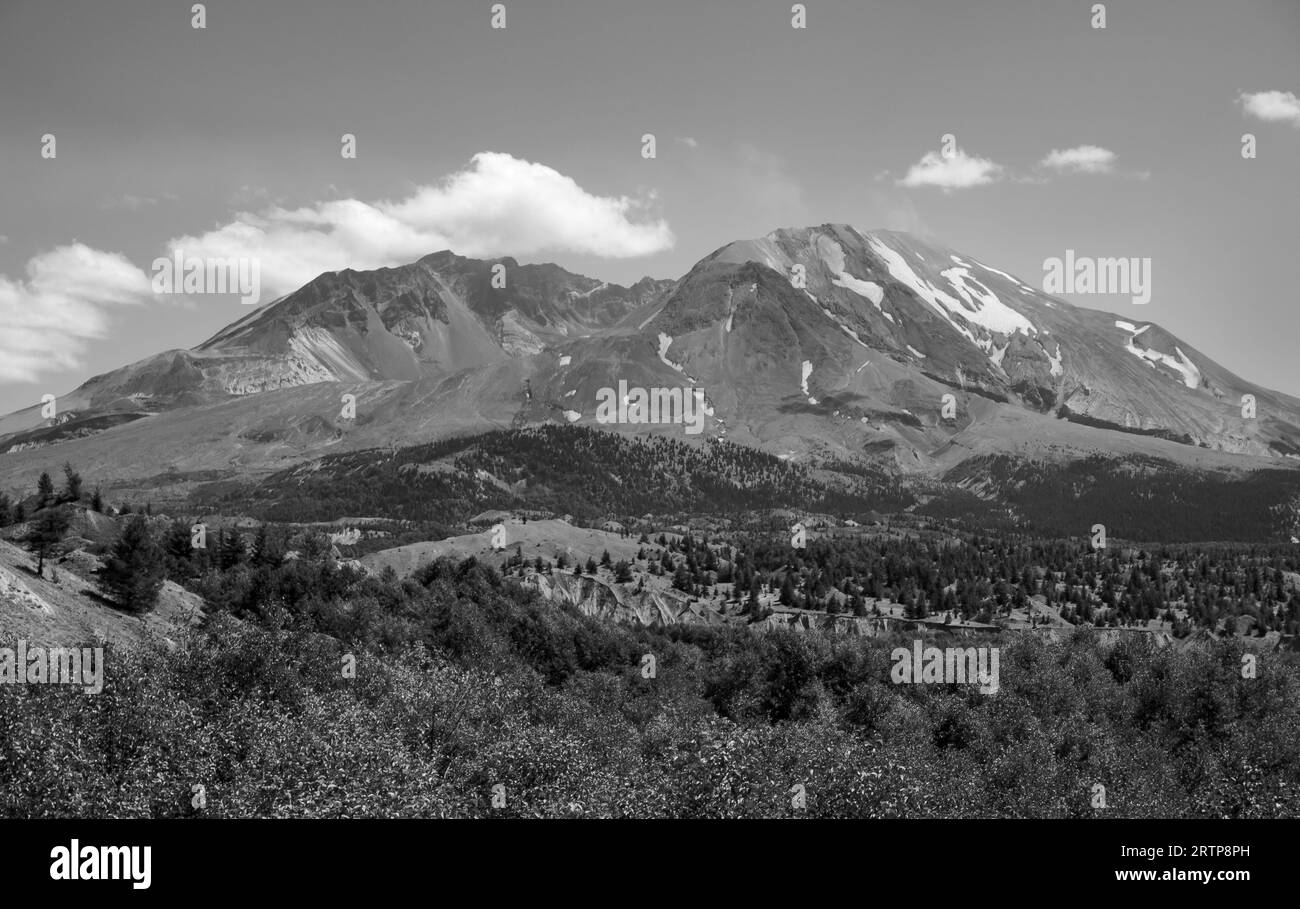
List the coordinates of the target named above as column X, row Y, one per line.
column 810, row 341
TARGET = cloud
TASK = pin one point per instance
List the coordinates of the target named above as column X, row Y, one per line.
column 688, row 141
column 46, row 318
column 955, row 171
column 1082, row 159
column 1272, row 107
column 498, row 205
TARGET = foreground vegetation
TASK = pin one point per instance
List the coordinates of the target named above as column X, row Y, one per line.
column 465, row 682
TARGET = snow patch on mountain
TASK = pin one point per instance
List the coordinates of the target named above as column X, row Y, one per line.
column 1178, row 361
column 665, row 342
column 939, row 301
column 583, row 294
column 985, row 307
column 916, row 353
column 1055, row 361
column 1011, row 278
column 833, row 257
column 999, row 353
column 807, row 370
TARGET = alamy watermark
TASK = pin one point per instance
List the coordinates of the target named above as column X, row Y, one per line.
column 1086, row 275
column 182, row 274
column 26, row 665
column 953, row 665
column 652, row 405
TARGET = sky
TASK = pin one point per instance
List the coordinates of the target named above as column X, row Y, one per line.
column 1010, row 130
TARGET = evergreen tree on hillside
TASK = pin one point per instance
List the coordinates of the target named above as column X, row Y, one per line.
column 268, row 548
column 6, row 510
column 179, row 551
column 46, row 533
column 682, row 578
column 133, row 572
column 44, row 490
column 71, row 484
column 787, row 590
column 97, row 502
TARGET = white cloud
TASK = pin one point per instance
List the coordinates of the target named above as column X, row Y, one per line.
column 955, row 171
column 1082, row 159
column 1271, row 106
column 498, row 205
column 688, row 141
column 46, row 318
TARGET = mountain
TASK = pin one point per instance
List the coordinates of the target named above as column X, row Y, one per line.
column 812, row 342
column 881, row 313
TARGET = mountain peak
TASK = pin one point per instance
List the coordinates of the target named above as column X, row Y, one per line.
column 819, row 323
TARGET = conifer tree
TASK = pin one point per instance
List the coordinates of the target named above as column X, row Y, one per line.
column 134, row 571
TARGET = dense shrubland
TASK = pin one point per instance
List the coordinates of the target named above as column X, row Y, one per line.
column 465, row 681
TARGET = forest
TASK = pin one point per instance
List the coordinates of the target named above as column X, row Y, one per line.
column 312, row 691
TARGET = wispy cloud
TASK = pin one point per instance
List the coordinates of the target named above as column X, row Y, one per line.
column 1082, row 159
column 957, row 170
column 47, row 318
column 1271, row 106
column 131, row 202
column 689, row 141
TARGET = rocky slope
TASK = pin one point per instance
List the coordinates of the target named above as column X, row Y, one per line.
column 809, row 341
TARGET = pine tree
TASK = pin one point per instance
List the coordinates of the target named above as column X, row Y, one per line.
column 97, row 502
column 44, row 490
column 6, row 510
column 268, row 548
column 179, row 551
column 71, row 484
column 45, row 535
column 787, row 590
column 133, row 573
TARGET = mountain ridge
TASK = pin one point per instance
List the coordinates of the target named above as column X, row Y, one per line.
column 808, row 340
